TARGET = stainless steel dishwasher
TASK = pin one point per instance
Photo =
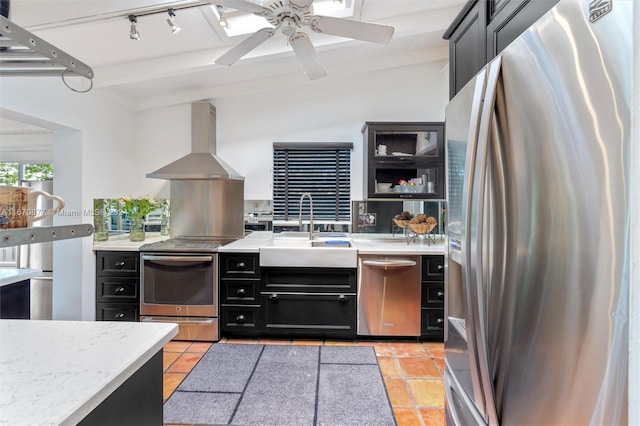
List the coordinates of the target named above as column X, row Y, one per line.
column 389, row 295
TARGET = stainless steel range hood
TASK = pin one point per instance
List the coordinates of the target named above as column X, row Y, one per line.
column 202, row 162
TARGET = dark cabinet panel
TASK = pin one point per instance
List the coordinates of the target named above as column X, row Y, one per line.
column 121, row 264
column 239, row 265
column 114, row 289
column 240, row 292
column 310, row 280
column 467, row 41
column 510, row 19
column 433, row 268
column 433, row 324
column 117, row 312
column 15, row 300
column 482, row 29
column 433, row 295
column 332, row 315
column 237, row 320
column 117, row 286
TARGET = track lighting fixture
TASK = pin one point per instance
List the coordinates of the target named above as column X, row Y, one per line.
column 222, row 20
column 171, row 21
column 134, row 34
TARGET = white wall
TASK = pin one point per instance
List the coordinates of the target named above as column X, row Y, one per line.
column 325, row 110
column 94, row 155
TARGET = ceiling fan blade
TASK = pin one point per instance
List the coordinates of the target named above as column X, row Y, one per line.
column 245, row 46
column 307, row 55
column 366, row 31
column 244, row 5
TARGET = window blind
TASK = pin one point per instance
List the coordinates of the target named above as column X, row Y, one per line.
column 324, row 171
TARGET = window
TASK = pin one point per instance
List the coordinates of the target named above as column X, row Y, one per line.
column 14, row 174
column 323, row 170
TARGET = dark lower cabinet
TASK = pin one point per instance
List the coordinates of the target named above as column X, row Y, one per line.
column 117, row 286
column 309, row 302
column 239, row 294
column 15, row 300
column 432, row 317
column 313, row 315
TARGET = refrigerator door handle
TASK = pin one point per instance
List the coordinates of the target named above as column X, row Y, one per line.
column 479, row 217
column 466, row 264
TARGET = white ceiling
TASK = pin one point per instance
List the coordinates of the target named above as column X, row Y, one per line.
column 164, row 69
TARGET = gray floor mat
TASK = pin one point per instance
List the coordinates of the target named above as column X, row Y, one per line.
column 282, row 385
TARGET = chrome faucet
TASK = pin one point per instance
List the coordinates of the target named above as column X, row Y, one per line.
column 306, row 194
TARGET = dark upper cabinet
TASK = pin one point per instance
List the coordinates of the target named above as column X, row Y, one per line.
column 467, row 45
column 482, row 29
column 510, row 18
column 404, row 151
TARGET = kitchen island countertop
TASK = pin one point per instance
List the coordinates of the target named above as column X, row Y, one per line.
column 15, row 275
column 57, row 372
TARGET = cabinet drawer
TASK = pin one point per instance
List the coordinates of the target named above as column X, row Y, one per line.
column 240, row 319
column 309, row 314
column 239, row 265
column 117, row 312
column 309, row 280
column 433, row 268
column 432, row 323
column 121, row 264
column 118, row 290
column 239, row 291
column 432, row 295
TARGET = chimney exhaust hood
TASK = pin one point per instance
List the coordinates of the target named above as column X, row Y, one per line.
column 202, row 162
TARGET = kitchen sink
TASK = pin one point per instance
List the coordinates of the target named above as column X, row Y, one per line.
column 299, row 251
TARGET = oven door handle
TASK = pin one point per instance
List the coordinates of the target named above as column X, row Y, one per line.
column 178, row 258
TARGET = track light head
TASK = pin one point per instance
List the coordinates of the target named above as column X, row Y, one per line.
column 172, row 21
column 222, row 20
column 133, row 33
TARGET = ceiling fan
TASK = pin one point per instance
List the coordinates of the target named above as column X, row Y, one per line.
column 289, row 16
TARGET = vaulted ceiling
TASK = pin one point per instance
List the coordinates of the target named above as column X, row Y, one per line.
column 164, row 68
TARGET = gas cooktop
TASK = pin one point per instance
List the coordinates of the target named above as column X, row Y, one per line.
column 186, row 245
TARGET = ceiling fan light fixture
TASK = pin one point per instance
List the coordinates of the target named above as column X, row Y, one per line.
column 133, row 33
column 172, row 21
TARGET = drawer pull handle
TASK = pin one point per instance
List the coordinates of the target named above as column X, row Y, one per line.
column 440, row 294
column 440, row 267
column 241, row 266
column 274, row 297
column 240, row 318
column 119, row 315
column 342, row 298
column 241, row 292
column 119, row 290
column 440, row 321
column 120, row 264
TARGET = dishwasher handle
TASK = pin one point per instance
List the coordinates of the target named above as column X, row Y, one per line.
column 389, row 263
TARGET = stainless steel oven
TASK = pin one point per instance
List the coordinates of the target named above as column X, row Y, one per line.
column 181, row 288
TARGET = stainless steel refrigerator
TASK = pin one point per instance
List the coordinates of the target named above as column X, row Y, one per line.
column 40, row 256
column 538, row 165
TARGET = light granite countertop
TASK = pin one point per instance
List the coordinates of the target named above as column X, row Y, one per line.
column 57, row 372
column 121, row 242
column 364, row 243
column 15, row 275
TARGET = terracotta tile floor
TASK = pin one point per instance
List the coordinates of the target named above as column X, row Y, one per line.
column 412, row 372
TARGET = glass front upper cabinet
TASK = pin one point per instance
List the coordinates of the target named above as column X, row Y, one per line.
column 404, row 160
